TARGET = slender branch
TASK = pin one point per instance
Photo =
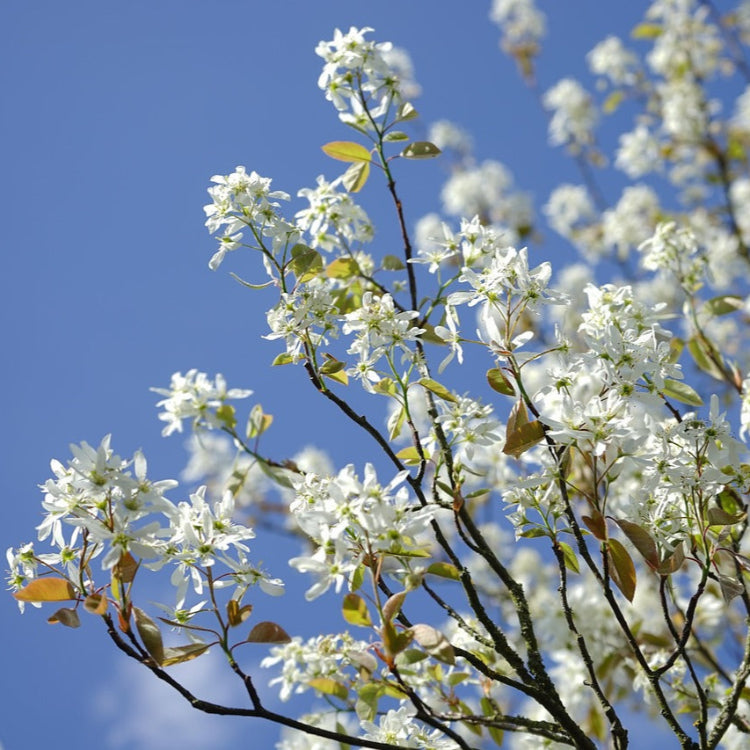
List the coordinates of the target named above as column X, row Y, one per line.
column 257, row 710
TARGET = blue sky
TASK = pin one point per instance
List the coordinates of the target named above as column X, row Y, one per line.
column 115, row 115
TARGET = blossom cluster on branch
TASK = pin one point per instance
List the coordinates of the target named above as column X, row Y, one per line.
column 533, row 543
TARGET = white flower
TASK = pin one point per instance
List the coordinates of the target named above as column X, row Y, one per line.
column 195, row 396
column 574, row 115
column 612, row 59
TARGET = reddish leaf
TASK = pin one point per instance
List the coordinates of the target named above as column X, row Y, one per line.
column 46, row 589
column 642, row 541
column 621, row 568
column 268, row 632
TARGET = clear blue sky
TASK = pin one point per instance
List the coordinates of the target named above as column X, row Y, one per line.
column 114, row 117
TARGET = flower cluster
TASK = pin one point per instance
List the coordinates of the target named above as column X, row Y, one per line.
column 195, row 396
column 362, row 78
column 241, row 201
column 350, row 520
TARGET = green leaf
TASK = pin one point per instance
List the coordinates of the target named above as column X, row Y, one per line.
column 396, row 426
column 612, row 102
column 358, row 578
column 621, row 568
column 682, row 392
column 283, row 359
column 366, row 705
column 393, row 606
column 498, row 382
column 334, row 369
column 571, row 561
column 268, row 632
column 421, row 150
column 392, row 263
column 356, row 175
column 179, row 654
column 704, row 355
column 347, row 151
column 342, row 268
column 327, row 686
column 65, row 616
column 647, row 31
column 406, row 112
column 257, row 422
column 386, row 387
column 434, row 643
column 723, row 305
column 150, row 634
column 355, row 611
column 444, row 570
column 306, row 263
column 46, row 589
column 396, row 135
column 719, row 517
column 410, row 456
column 438, row 389
column 642, row 541
column 248, row 284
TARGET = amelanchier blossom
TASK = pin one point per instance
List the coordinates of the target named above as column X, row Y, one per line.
column 543, row 528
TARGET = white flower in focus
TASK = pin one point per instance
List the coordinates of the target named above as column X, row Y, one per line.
column 675, row 250
column 333, row 219
column 195, row 396
column 242, row 200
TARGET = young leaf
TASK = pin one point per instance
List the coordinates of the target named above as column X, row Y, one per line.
column 126, row 568
column 437, row 389
column 642, row 541
column 421, row 150
column 95, row 604
column 498, row 382
column 346, row 151
column 410, row 456
column 396, row 135
column 571, row 561
column 268, row 632
column 393, row 606
column 596, row 525
column 65, row 616
column 306, row 263
column 366, row 705
column 524, row 437
column 723, row 305
column 46, row 589
column 355, row 611
column 179, row 654
column 406, row 112
column 621, row 568
column 356, row 175
column 149, row 632
column 682, row 392
column 434, row 643
column 327, row 686
column 342, row 268
column 704, row 356
column 236, row 615
column 444, row 570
